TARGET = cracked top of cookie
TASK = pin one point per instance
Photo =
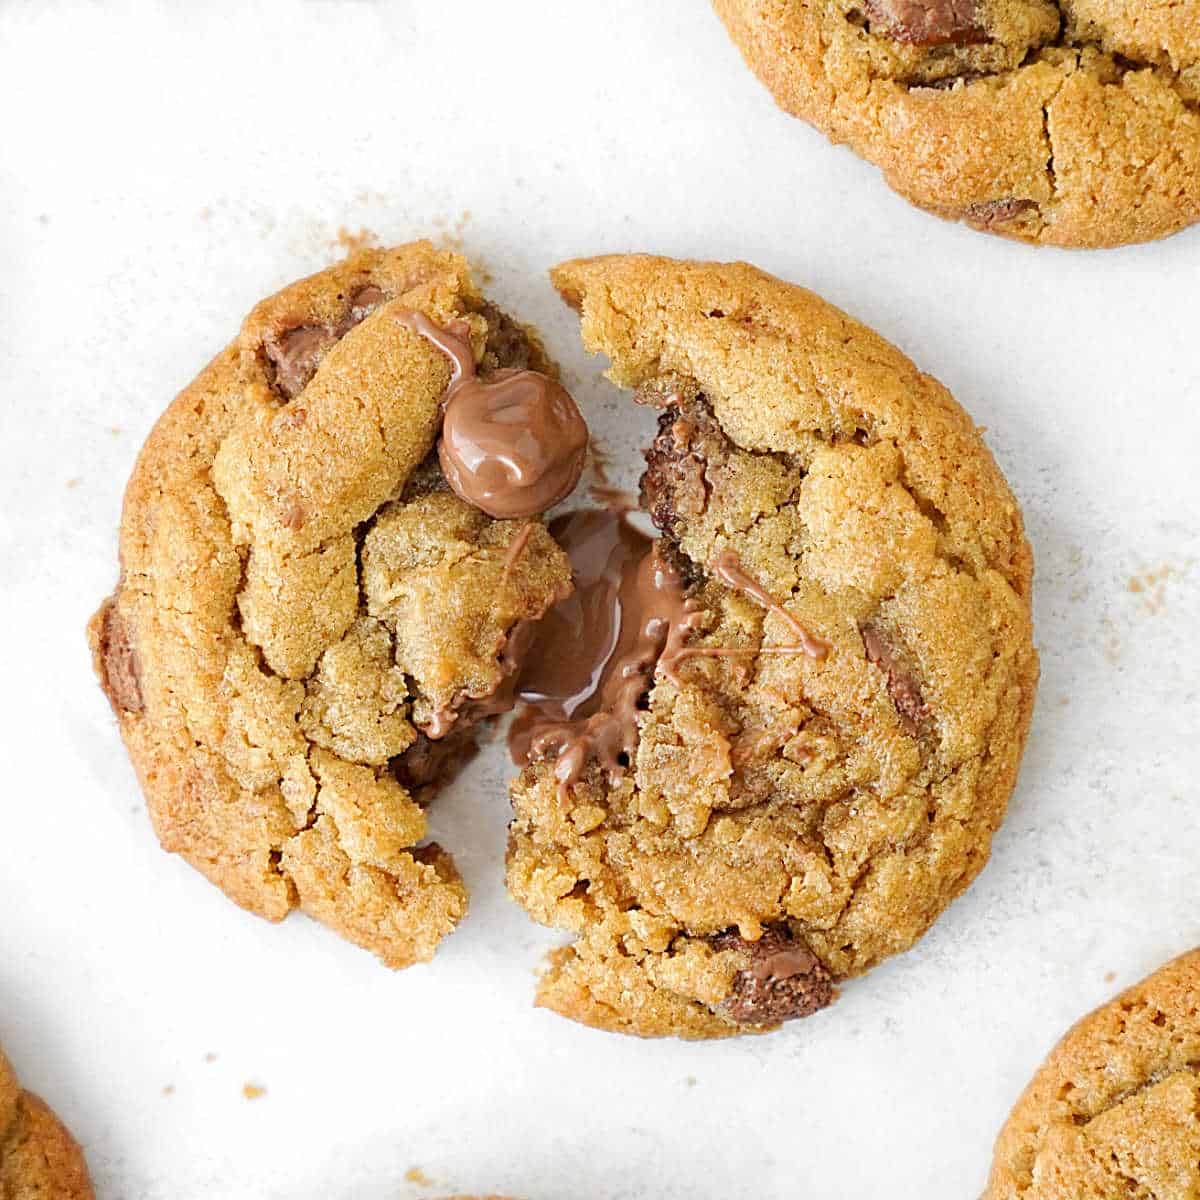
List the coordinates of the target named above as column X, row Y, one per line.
column 820, row 767
column 38, row 1157
column 1115, row 1109
column 309, row 620
column 1070, row 122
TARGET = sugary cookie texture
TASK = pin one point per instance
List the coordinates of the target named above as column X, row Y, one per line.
column 820, row 771
column 1067, row 122
column 1115, row 1110
column 39, row 1159
column 308, row 621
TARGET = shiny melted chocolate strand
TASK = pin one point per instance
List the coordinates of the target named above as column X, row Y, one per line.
column 514, row 444
column 728, row 569
column 592, row 658
column 927, row 22
column 295, row 354
column 902, row 687
column 785, row 979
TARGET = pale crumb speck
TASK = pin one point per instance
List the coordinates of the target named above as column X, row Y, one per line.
column 73, row 482
column 416, row 1175
column 351, row 241
column 252, row 1091
column 1151, row 586
column 1109, row 976
column 210, row 1057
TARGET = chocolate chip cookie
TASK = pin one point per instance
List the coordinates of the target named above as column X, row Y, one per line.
column 39, row 1159
column 1115, row 1110
column 787, row 727
column 1064, row 122
column 315, row 603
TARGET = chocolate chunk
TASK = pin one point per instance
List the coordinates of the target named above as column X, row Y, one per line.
column 294, row 356
column 785, row 979
column 364, row 302
column 507, row 342
column 117, row 661
column 927, row 22
column 673, row 485
column 989, row 213
column 430, row 761
column 902, row 687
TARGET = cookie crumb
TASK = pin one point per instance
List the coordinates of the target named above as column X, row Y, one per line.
column 1151, row 586
column 73, row 482
column 206, row 213
column 351, row 241
column 691, row 1081
column 416, row 1175
column 252, row 1091
column 169, row 1090
column 1109, row 976
column 114, row 430
column 210, row 1057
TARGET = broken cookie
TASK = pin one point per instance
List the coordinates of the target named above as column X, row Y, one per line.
column 313, row 614
column 763, row 750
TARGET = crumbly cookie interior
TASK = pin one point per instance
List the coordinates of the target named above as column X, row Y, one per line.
column 825, row 809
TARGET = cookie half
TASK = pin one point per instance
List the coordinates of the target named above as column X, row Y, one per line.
column 39, row 1159
column 1115, row 1110
column 1071, row 124
column 309, row 620
column 829, row 724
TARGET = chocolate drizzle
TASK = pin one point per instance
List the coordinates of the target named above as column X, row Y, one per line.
column 512, row 445
column 727, row 567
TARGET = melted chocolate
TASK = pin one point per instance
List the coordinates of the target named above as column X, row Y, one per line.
column 592, row 658
column 727, row 568
column 512, row 445
column 594, row 654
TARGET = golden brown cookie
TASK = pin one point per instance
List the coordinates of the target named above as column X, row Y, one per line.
column 1064, row 122
column 308, row 621
column 1115, row 1110
column 39, row 1159
column 820, row 765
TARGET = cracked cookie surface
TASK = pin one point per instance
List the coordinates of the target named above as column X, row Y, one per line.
column 39, row 1159
column 1115, row 1110
column 790, row 816
column 1073, row 122
column 307, row 620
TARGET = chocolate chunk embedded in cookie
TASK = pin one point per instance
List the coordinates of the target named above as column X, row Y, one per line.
column 787, row 745
column 1067, row 124
column 309, row 620
column 39, row 1159
column 1115, row 1109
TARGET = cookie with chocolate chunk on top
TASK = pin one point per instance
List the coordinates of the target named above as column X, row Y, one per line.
column 787, row 747
column 1067, row 125
column 311, row 618
column 39, row 1159
column 1115, row 1109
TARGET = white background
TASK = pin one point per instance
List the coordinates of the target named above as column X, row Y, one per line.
column 162, row 166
